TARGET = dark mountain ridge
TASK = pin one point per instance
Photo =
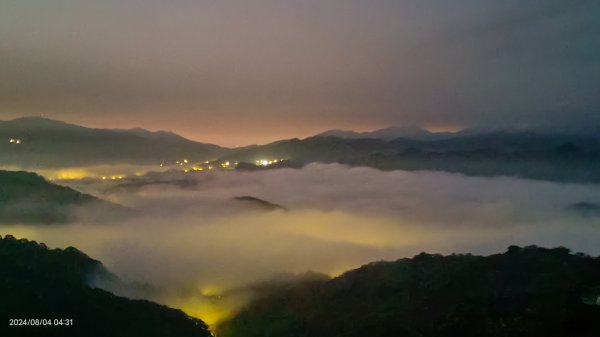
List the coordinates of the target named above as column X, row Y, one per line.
column 562, row 155
column 49, row 143
column 414, row 132
column 564, row 158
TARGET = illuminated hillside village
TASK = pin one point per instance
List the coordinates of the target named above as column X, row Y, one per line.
column 185, row 165
column 188, row 166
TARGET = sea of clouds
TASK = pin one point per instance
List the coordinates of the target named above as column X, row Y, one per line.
column 194, row 240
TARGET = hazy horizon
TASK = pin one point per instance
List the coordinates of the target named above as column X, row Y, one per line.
column 226, row 144
column 239, row 73
column 432, row 129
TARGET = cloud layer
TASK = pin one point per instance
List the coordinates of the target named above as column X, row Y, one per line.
column 195, row 238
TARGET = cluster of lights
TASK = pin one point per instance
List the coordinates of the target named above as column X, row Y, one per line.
column 112, row 177
column 267, row 162
column 14, row 141
column 188, row 166
column 196, row 168
column 182, row 162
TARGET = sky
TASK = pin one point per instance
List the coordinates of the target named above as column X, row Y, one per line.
column 239, row 72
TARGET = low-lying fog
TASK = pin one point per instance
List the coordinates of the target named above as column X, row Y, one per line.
column 195, row 239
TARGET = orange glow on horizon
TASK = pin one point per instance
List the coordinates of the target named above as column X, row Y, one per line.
column 443, row 128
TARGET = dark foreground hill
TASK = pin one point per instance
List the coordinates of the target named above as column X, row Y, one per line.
column 27, row 198
column 524, row 292
column 51, row 285
column 48, row 143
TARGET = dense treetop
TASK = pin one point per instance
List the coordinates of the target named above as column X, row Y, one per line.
column 527, row 291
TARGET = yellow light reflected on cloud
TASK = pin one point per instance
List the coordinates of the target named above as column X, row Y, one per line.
column 211, row 311
column 70, row 174
column 100, row 172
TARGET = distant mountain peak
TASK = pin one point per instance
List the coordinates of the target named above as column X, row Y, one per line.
column 409, row 131
column 36, row 121
column 159, row 134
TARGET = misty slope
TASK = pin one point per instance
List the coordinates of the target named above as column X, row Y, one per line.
column 524, row 292
column 474, row 136
column 28, row 198
column 389, row 133
column 554, row 157
column 36, row 282
column 45, row 142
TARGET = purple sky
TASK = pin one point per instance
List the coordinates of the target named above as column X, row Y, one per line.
column 237, row 72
